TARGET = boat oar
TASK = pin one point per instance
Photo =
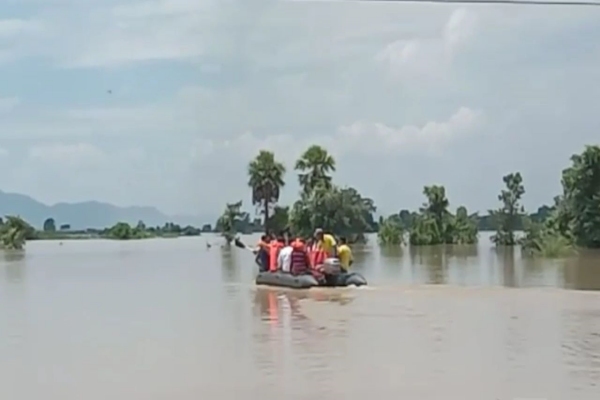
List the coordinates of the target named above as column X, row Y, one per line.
column 241, row 245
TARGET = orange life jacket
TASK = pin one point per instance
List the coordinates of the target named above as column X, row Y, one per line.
column 274, row 248
column 318, row 257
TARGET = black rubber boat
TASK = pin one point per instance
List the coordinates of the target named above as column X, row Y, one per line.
column 283, row 279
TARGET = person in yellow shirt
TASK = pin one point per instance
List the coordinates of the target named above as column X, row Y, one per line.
column 326, row 242
column 345, row 254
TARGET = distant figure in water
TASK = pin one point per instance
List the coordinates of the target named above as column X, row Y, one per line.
column 208, row 245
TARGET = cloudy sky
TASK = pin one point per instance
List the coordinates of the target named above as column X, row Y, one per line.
column 164, row 102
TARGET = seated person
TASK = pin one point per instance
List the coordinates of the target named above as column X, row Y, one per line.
column 345, row 255
column 300, row 262
column 284, row 259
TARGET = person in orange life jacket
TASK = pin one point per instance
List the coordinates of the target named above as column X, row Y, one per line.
column 308, row 248
column 274, row 247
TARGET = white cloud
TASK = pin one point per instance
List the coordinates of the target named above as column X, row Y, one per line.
column 357, row 138
column 378, row 138
column 429, row 57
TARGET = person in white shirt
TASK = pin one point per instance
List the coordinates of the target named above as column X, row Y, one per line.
column 284, row 259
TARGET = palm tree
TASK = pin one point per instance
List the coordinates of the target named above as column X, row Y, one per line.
column 266, row 180
column 314, row 166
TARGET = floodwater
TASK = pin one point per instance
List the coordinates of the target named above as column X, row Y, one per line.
column 170, row 319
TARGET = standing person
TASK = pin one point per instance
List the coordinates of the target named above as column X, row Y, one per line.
column 345, row 254
column 262, row 253
column 325, row 242
column 274, row 247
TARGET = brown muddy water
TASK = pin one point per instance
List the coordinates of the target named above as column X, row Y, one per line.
column 170, row 319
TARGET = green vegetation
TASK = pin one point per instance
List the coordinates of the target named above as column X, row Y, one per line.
column 14, row 232
column 266, row 180
column 509, row 217
column 391, row 232
column 572, row 222
column 435, row 224
column 321, row 202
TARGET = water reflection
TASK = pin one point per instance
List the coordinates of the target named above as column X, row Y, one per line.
column 506, row 259
column 269, row 301
column 434, row 259
column 229, row 264
column 14, row 265
column 583, row 271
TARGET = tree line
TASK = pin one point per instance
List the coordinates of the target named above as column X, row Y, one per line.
column 572, row 221
column 15, row 232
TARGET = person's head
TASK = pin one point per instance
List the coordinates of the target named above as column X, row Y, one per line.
column 319, row 234
column 264, row 238
column 281, row 239
column 298, row 244
column 343, row 240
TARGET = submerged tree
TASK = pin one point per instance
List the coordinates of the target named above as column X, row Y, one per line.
column 579, row 207
column 230, row 219
column 433, row 224
column 391, row 231
column 266, row 180
column 124, row 231
column 14, row 232
column 342, row 211
column 574, row 220
column 464, row 227
column 508, row 218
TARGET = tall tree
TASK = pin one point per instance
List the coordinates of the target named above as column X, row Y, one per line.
column 265, row 178
column 578, row 209
column 508, row 218
column 314, row 167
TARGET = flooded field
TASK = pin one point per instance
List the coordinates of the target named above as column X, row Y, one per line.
column 171, row 319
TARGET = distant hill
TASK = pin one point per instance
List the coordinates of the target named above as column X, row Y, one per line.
column 89, row 214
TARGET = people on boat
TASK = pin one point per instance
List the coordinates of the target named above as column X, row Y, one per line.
column 284, row 258
column 344, row 253
column 302, row 263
